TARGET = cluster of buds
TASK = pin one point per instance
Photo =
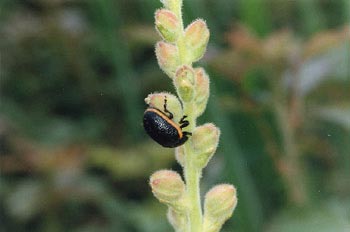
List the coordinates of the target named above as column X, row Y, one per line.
column 175, row 54
column 219, row 204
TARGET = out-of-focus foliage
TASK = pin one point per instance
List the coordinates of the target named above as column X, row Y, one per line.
column 286, row 78
column 73, row 75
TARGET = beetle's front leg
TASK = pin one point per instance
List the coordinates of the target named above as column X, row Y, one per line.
column 183, row 123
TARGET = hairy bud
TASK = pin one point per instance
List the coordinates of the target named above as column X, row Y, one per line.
column 167, row 24
column 184, row 82
column 167, row 186
column 205, row 140
column 219, row 204
column 168, row 57
column 196, row 39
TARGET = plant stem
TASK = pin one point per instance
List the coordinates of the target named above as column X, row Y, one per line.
column 192, row 172
column 192, row 177
column 177, row 9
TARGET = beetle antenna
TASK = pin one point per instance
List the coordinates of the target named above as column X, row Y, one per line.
column 171, row 116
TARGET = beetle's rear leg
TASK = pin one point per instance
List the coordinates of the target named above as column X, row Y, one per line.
column 186, row 134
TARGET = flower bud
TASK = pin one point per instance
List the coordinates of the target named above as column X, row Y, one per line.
column 202, row 91
column 180, row 155
column 205, row 140
column 168, row 57
column 184, row 83
column 177, row 219
column 196, row 39
column 167, row 186
column 167, row 24
column 157, row 100
column 219, row 204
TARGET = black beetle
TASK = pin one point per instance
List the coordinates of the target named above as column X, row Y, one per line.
column 162, row 129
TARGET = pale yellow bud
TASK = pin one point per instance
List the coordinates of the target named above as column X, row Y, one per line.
column 180, row 155
column 202, row 91
column 167, row 186
column 219, row 204
column 177, row 219
column 168, row 57
column 167, row 24
column 196, row 39
column 184, row 82
column 205, row 140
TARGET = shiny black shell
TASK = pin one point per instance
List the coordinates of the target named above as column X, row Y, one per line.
column 162, row 129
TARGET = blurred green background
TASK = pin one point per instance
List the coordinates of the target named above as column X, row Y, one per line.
column 74, row 73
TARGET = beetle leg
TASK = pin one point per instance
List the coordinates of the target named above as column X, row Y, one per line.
column 166, row 110
column 185, row 133
column 183, row 122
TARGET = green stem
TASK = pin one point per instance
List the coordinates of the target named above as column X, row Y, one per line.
column 177, row 9
column 192, row 177
column 191, row 171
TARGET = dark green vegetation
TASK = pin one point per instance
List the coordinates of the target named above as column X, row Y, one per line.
column 73, row 76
